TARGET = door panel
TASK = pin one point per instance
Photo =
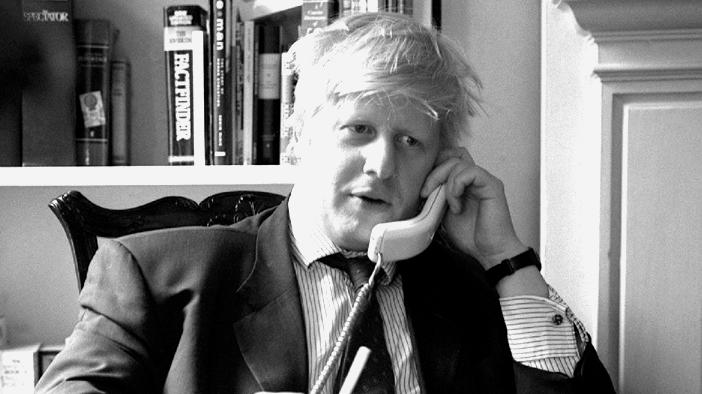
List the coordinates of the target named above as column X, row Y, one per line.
column 660, row 344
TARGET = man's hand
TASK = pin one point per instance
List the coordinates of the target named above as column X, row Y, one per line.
column 478, row 220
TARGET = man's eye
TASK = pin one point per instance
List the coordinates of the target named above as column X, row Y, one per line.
column 359, row 129
column 407, row 140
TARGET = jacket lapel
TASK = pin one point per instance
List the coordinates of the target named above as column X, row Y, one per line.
column 270, row 331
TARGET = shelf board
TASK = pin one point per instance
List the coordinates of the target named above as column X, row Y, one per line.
column 147, row 175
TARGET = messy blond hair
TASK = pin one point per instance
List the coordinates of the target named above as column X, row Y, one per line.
column 369, row 56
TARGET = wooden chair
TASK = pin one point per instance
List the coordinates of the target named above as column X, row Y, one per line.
column 85, row 221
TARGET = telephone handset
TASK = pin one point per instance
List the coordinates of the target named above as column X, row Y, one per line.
column 408, row 238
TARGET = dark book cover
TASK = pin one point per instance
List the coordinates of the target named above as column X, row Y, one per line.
column 220, row 39
column 250, row 91
column 185, row 45
column 48, row 102
column 120, row 114
column 94, row 53
column 268, row 105
column 238, row 105
column 18, row 53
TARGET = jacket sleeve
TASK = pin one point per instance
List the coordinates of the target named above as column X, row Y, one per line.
column 590, row 377
column 111, row 347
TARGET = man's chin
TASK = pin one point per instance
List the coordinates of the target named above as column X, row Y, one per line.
column 353, row 239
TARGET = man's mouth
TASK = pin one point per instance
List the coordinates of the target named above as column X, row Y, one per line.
column 370, row 197
column 371, row 200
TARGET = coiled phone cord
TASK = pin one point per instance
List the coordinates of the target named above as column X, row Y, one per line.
column 342, row 339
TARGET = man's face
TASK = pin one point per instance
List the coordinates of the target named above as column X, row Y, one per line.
column 365, row 164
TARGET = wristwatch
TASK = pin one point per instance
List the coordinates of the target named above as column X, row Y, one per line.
column 511, row 265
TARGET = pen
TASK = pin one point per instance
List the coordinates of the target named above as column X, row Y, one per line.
column 355, row 370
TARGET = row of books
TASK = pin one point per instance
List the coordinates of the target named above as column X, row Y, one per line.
column 102, row 90
column 74, row 108
column 223, row 85
column 22, row 366
column 355, row 6
column 76, row 112
column 230, row 83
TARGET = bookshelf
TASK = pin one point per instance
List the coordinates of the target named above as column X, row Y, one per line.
column 140, row 40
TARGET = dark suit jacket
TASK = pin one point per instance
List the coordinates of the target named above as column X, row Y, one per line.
column 217, row 310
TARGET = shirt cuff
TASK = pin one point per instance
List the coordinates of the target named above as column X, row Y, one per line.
column 542, row 329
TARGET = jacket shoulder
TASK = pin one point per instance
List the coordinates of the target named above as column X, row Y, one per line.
column 194, row 253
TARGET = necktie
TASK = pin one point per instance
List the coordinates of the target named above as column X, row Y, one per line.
column 377, row 376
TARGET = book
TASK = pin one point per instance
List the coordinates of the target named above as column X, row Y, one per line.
column 94, row 54
column 220, row 51
column 249, row 96
column 268, row 105
column 17, row 48
column 238, row 106
column 48, row 103
column 47, row 353
column 287, row 103
column 4, row 334
column 186, row 84
column 19, row 369
column 317, row 14
column 120, row 112
column 345, row 8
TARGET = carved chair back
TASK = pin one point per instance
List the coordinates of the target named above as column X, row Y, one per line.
column 85, row 221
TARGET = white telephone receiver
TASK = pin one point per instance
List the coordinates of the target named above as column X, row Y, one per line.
column 408, row 238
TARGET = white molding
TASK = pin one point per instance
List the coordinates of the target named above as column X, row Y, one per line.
column 636, row 15
column 624, row 73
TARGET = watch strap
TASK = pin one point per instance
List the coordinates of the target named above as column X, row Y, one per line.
column 509, row 266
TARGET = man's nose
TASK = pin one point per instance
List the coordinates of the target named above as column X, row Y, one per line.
column 380, row 158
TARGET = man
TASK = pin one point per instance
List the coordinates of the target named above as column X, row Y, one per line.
column 381, row 103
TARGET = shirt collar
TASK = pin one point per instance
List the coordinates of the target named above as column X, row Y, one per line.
column 310, row 243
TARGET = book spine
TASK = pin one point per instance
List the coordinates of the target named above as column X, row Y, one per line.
column 405, row 7
column 184, row 27
column 4, row 335
column 238, row 140
column 268, row 111
column 317, row 14
column 94, row 47
column 120, row 114
column 287, row 103
column 48, row 104
column 346, row 7
column 229, row 82
column 249, row 99
column 220, row 25
column 201, row 131
column 18, row 47
column 10, row 129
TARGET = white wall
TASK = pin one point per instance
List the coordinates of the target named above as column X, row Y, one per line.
column 570, row 156
column 502, row 41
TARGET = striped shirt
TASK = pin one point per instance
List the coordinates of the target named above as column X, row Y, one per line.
column 327, row 295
